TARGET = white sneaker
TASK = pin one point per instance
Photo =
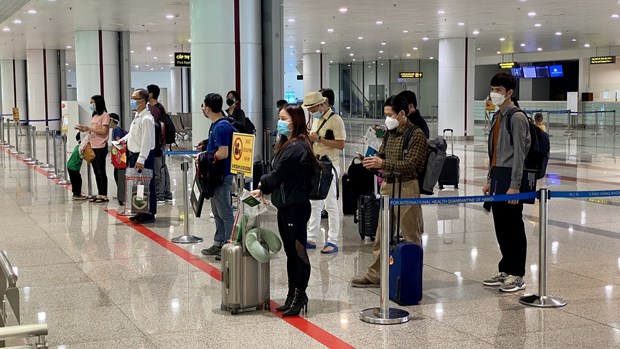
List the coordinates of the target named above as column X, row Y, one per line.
column 496, row 280
column 512, row 284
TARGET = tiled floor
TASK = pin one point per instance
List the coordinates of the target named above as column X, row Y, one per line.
column 101, row 283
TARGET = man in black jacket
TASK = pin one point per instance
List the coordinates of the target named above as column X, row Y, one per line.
column 414, row 114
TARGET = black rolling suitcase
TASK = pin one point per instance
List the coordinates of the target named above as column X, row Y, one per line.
column 367, row 217
column 349, row 199
column 450, row 173
column 355, row 182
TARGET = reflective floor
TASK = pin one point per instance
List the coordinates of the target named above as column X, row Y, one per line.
column 102, row 283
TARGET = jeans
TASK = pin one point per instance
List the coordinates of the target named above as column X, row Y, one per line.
column 150, row 164
column 292, row 221
column 162, row 179
column 222, row 212
column 333, row 209
column 99, row 166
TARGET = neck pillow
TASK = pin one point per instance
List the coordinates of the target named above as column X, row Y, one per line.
column 256, row 248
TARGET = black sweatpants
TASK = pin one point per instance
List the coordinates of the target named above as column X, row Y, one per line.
column 76, row 182
column 292, row 223
column 510, row 232
column 99, row 165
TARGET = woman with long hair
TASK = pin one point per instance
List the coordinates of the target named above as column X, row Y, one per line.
column 289, row 184
column 98, row 139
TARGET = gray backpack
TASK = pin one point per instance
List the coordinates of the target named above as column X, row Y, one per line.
column 435, row 157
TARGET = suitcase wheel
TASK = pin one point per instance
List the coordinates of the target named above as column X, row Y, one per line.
column 372, row 239
column 456, row 186
column 267, row 307
column 234, row 311
column 222, row 307
column 441, row 187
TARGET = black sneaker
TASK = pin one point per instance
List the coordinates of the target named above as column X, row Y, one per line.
column 212, row 251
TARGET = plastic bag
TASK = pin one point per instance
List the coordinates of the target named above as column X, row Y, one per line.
column 137, row 190
column 373, row 139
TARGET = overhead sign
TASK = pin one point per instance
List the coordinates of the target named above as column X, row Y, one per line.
column 15, row 114
column 411, row 75
column 182, row 59
column 507, row 65
column 242, row 154
column 603, row 60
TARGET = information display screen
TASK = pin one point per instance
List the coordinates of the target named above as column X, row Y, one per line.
column 529, row 72
column 517, row 72
column 556, row 71
column 542, row 72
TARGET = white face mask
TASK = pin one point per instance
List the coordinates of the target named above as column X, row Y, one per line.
column 497, row 98
column 391, row 123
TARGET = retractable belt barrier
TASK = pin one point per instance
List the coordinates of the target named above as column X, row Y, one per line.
column 384, row 315
column 181, row 152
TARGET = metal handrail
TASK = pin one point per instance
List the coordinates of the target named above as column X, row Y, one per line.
column 33, row 330
column 7, row 269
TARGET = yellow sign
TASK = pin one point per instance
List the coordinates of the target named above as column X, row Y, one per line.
column 603, row 60
column 411, row 75
column 507, row 65
column 16, row 114
column 242, row 154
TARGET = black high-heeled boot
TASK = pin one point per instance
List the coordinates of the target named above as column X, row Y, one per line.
column 288, row 301
column 300, row 301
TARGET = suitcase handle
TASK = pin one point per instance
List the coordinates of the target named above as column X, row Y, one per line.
column 448, row 129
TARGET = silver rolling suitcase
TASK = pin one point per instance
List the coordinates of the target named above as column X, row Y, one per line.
column 245, row 281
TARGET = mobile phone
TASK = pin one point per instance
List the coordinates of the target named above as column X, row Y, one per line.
column 360, row 155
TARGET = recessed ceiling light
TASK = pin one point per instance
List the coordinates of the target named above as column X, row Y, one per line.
column 32, row 12
column 383, row 43
column 539, row 49
column 405, row 31
column 170, row 55
column 330, row 30
column 169, row 17
column 478, row 48
column 291, row 20
column 574, row 40
column 441, row 12
column 538, row 25
column 17, row 21
column 155, row 58
column 425, row 38
column 318, row 51
column 499, row 52
column 351, row 54
column 415, row 48
column 69, row 70
column 189, row 40
column 148, row 48
column 379, row 22
column 67, row 64
column 380, row 58
column 152, row 69
column 558, row 33
column 162, row 68
column 476, row 32
column 532, row 14
column 331, row 61
column 360, row 38
column 132, row 51
column 69, row 47
column 431, row 57
column 502, row 39
column 137, row 67
column 348, row 47
column 343, row 10
column 461, row 24
column 353, row 59
column 323, row 42
column 408, row 54
column 522, row 44
column 6, row 29
column 615, row 16
column 147, row 65
column 381, row 51
column 586, row 45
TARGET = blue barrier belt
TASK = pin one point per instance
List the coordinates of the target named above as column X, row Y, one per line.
column 462, row 199
column 181, row 152
column 583, row 194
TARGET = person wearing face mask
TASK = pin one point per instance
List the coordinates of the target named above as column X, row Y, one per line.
column 98, row 139
column 140, row 143
column 220, row 144
column 289, row 186
column 328, row 136
column 236, row 115
column 507, row 153
column 398, row 166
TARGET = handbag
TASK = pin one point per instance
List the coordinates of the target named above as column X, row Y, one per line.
column 89, row 154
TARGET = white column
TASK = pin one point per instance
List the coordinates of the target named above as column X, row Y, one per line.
column 456, row 86
column 6, row 78
column 213, row 57
column 89, row 68
column 174, row 104
column 43, row 87
column 251, row 68
column 315, row 72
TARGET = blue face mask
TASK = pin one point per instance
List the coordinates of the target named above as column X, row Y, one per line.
column 283, row 128
column 133, row 104
column 317, row 115
column 92, row 108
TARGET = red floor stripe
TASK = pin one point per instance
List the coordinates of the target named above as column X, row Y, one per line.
column 35, row 167
column 302, row 324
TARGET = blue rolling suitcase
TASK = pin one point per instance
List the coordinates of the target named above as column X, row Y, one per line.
column 406, row 260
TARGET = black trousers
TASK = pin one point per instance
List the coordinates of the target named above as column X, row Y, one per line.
column 132, row 158
column 292, row 223
column 99, row 165
column 76, row 182
column 510, row 233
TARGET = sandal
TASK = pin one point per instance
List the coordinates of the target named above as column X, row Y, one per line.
column 329, row 248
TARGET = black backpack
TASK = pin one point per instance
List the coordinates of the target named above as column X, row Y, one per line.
column 538, row 155
column 321, row 180
column 169, row 128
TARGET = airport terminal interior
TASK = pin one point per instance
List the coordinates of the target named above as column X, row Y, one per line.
column 82, row 275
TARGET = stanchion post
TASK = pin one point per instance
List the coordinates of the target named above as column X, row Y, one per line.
column 35, row 160
column 186, row 238
column 66, row 180
column 89, row 180
column 2, row 130
column 542, row 300
column 47, row 149
column 29, row 159
column 16, row 151
column 54, row 171
column 384, row 315
column 595, row 133
column 8, row 134
column 615, row 132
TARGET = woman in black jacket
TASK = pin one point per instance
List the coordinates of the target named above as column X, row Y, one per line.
column 289, row 184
